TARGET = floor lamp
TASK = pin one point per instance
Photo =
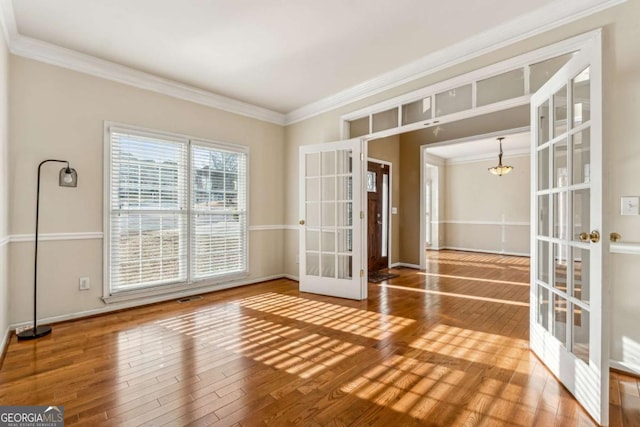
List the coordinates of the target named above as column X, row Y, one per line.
column 67, row 178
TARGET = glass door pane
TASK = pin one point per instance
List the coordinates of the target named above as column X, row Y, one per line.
column 582, row 97
column 560, row 112
column 581, row 156
column 566, row 294
column 330, row 239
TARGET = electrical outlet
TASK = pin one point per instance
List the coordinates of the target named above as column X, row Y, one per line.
column 85, row 284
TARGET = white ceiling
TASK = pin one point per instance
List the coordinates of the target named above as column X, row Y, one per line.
column 281, row 54
column 485, row 148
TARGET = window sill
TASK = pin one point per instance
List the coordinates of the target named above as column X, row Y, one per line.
column 179, row 290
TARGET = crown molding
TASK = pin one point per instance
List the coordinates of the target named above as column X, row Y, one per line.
column 55, row 55
column 540, row 21
column 7, row 20
column 434, row 160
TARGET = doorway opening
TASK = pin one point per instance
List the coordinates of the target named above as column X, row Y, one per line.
column 468, row 209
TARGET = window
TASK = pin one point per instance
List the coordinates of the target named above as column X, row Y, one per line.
column 177, row 210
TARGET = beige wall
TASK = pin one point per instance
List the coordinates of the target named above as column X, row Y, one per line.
column 388, row 149
column 621, row 84
column 475, row 195
column 58, row 113
column 410, row 195
column 4, row 189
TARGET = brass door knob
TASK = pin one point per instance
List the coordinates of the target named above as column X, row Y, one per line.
column 594, row 236
column 615, row 237
column 301, row 222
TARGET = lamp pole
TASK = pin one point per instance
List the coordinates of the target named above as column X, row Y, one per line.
column 40, row 331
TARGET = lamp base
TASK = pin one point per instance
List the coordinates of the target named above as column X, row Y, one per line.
column 31, row 334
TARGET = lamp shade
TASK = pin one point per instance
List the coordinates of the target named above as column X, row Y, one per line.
column 68, row 177
column 500, row 169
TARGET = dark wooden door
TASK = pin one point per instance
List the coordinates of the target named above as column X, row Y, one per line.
column 377, row 243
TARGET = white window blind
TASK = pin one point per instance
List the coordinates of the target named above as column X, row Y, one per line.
column 177, row 210
column 218, row 211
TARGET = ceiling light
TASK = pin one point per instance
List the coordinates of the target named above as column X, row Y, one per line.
column 500, row 169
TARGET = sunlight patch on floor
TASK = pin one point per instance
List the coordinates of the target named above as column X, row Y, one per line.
column 471, row 345
column 451, row 294
column 283, row 347
column 368, row 324
column 475, row 279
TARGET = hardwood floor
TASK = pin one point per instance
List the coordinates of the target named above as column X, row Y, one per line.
column 446, row 346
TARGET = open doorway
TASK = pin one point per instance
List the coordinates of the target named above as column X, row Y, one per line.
column 476, row 211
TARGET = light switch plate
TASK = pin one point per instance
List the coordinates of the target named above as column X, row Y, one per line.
column 630, row 205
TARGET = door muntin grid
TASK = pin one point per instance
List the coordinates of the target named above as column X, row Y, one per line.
column 563, row 201
column 329, row 214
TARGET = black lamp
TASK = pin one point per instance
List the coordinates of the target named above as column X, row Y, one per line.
column 68, row 177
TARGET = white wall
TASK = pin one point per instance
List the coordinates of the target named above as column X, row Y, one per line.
column 4, row 190
column 58, row 113
column 488, row 213
column 621, row 84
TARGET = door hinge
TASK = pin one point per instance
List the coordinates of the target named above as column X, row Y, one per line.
column 361, row 214
column 362, row 157
column 361, row 273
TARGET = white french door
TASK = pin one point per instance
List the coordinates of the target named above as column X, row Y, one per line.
column 331, row 224
column 568, row 310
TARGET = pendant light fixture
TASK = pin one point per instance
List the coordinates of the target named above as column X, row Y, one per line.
column 500, row 169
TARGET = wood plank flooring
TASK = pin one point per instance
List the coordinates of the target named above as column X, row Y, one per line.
column 442, row 347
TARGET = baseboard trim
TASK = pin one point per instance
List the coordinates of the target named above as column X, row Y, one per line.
column 627, row 368
column 291, row 277
column 404, row 264
column 4, row 344
column 143, row 301
column 485, row 251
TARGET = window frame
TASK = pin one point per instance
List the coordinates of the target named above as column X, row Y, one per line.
column 216, row 281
